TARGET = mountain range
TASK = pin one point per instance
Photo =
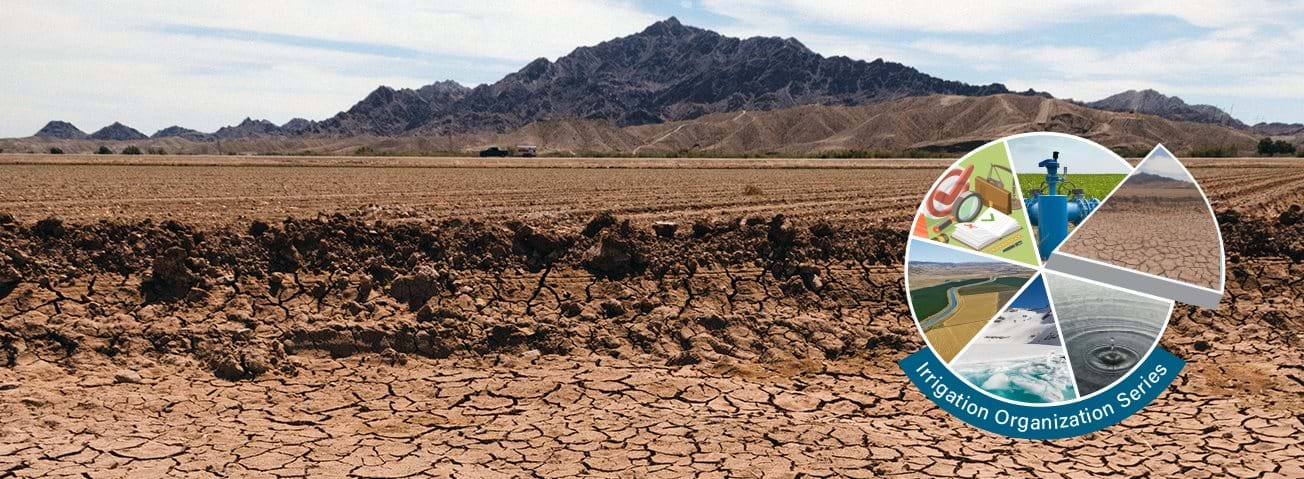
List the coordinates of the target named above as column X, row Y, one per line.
column 1154, row 103
column 608, row 96
column 1278, row 129
column 1151, row 180
column 667, row 72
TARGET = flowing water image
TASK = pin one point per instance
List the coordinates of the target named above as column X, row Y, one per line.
column 1106, row 331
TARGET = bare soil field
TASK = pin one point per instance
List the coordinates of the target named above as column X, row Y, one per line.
column 206, row 190
column 1258, row 186
column 468, row 318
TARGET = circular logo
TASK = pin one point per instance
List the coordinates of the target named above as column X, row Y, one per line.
column 1041, row 272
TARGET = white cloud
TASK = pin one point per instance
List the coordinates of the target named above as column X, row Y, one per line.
column 950, row 16
column 499, row 29
column 96, row 63
column 1217, row 64
column 1242, row 49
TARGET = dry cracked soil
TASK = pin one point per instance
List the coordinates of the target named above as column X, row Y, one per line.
column 1167, row 233
column 751, row 344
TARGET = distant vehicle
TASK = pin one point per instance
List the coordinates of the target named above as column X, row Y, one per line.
column 529, row 151
column 495, row 151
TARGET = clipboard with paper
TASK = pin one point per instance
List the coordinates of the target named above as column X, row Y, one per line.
column 991, row 226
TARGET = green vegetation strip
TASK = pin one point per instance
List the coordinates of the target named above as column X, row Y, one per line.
column 1093, row 185
column 1001, row 284
column 928, row 301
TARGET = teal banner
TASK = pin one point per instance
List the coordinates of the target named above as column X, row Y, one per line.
column 1098, row 411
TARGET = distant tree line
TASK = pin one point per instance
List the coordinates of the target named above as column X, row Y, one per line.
column 1212, row 151
column 1267, row 147
column 129, row 150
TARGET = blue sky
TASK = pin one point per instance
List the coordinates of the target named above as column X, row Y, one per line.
column 1078, row 155
column 208, row 64
column 1034, row 297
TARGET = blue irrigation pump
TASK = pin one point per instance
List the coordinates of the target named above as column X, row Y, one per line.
column 1052, row 212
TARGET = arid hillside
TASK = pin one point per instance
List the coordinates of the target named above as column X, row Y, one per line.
column 937, row 123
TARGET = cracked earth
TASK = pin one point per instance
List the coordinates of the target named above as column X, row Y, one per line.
column 1166, row 232
column 751, row 346
column 562, row 417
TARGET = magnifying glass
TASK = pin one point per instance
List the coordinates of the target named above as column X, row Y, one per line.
column 966, row 209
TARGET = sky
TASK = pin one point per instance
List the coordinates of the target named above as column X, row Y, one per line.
column 204, row 65
column 1161, row 162
column 1078, row 155
column 1034, row 297
column 931, row 252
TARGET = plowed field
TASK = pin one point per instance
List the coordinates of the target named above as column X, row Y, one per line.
column 331, row 317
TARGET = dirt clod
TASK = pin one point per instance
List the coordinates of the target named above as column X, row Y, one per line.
column 434, row 312
column 781, row 232
column 51, row 227
column 1291, row 216
column 665, row 229
column 416, row 288
column 171, row 276
column 9, row 279
column 257, row 228
column 701, row 228
column 600, row 222
column 612, row 308
column 127, row 376
column 612, row 257
column 257, row 361
column 226, row 366
column 540, row 247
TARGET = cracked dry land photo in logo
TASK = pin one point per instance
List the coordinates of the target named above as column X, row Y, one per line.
column 1156, row 222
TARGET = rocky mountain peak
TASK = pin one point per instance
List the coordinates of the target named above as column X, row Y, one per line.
column 1277, row 128
column 118, row 132
column 670, row 71
column 666, row 72
column 297, row 125
column 182, row 132
column 446, row 87
column 250, row 123
column 248, row 128
column 387, row 111
column 61, row 130
column 379, row 96
column 669, row 26
column 1151, row 102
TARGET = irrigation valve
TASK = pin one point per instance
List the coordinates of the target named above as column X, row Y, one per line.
column 1052, row 212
